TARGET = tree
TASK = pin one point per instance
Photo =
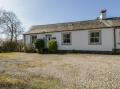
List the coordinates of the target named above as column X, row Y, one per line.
column 10, row 25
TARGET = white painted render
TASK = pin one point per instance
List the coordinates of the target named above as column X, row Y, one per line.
column 80, row 40
column 27, row 39
column 118, row 38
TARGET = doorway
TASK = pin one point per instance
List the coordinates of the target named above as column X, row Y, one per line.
column 48, row 37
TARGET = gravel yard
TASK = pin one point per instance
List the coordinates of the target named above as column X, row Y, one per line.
column 59, row 71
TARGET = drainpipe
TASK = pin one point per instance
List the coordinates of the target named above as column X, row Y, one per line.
column 114, row 32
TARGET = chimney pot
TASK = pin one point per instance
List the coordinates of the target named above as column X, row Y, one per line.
column 103, row 14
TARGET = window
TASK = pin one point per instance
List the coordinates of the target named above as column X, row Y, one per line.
column 48, row 37
column 33, row 39
column 66, row 38
column 95, row 37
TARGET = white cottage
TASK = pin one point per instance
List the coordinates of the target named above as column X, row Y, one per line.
column 101, row 34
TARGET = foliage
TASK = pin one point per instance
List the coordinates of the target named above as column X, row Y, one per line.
column 20, row 46
column 0, row 49
column 29, row 49
column 39, row 45
column 9, row 46
column 52, row 46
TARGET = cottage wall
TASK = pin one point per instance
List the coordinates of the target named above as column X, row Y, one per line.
column 80, row 40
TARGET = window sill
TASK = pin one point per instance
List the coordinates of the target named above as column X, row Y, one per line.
column 95, row 44
column 66, row 44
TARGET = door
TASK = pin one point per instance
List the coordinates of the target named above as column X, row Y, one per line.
column 33, row 38
column 48, row 37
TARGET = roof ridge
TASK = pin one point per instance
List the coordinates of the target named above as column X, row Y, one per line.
column 110, row 18
column 64, row 23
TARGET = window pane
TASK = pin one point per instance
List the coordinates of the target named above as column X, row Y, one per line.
column 68, row 36
column 68, row 41
column 64, row 36
column 97, row 40
column 92, row 40
column 64, row 41
column 92, row 34
column 97, row 34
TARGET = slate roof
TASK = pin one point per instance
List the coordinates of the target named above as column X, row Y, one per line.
column 78, row 25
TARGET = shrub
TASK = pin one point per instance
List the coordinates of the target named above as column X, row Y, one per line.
column 52, row 46
column 39, row 45
column 8, row 46
column 20, row 47
column 29, row 49
column 0, row 49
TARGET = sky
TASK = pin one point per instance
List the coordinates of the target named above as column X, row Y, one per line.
column 39, row 12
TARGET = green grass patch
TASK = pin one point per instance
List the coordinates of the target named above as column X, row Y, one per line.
column 44, row 83
column 8, row 82
column 32, row 82
column 31, row 65
column 8, row 55
column 66, row 65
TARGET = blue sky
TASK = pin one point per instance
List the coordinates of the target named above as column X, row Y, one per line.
column 33, row 12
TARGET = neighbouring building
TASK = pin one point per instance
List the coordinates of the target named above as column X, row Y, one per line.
column 101, row 34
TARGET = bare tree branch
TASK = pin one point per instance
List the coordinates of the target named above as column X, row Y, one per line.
column 10, row 25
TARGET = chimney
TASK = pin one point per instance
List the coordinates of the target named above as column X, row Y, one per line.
column 103, row 14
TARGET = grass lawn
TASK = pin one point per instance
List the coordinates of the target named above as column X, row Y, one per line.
column 50, row 71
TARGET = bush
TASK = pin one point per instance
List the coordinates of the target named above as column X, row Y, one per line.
column 29, row 49
column 8, row 46
column 0, row 49
column 20, row 47
column 39, row 45
column 52, row 46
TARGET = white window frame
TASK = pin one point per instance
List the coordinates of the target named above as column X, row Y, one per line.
column 66, row 38
column 94, row 43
